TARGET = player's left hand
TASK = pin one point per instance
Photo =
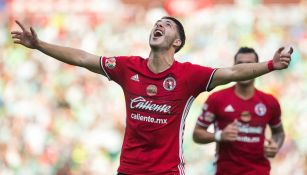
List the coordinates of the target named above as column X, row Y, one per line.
column 270, row 148
column 281, row 60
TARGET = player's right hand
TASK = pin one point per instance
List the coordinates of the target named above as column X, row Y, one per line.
column 230, row 132
column 24, row 37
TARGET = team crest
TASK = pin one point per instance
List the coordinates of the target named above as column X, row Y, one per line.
column 245, row 116
column 169, row 83
column 110, row 62
column 151, row 90
column 260, row 109
column 209, row 117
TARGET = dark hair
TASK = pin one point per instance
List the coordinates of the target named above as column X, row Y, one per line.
column 246, row 50
column 180, row 30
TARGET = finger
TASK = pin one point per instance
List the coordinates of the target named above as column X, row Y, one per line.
column 286, row 64
column 233, row 135
column 280, row 49
column 287, row 55
column 16, row 36
column 272, row 149
column 235, row 122
column 234, row 131
column 291, row 50
column 16, row 32
column 20, row 25
column 271, row 154
column 17, row 41
column 269, row 151
column 231, row 131
column 231, row 138
column 33, row 32
column 285, row 59
column 269, row 141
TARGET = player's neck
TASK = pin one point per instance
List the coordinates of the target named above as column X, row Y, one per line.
column 245, row 92
column 160, row 61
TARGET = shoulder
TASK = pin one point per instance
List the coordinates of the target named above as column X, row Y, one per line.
column 221, row 94
column 191, row 65
column 269, row 98
column 128, row 60
column 195, row 70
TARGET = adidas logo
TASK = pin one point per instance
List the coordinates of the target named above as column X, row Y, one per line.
column 135, row 77
column 229, row 108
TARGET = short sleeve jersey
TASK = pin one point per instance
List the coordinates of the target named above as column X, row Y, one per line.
column 246, row 154
column 156, row 107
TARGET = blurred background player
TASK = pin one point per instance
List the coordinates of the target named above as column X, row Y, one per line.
column 240, row 115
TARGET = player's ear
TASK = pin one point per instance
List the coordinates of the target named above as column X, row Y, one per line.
column 177, row 43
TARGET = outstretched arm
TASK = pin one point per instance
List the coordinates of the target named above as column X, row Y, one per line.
column 67, row 55
column 246, row 71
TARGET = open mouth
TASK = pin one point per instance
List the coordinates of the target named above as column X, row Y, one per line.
column 157, row 33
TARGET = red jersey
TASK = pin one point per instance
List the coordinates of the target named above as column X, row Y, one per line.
column 156, row 107
column 246, row 154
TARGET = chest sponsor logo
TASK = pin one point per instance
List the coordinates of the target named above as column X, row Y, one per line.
column 151, row 90
column 229, row 108
column 169, row 83
column 249, row 134
column 149, row 119
column 245, row 116
column 142, row 103
column 110, row 62
column 260, row 109
column 135, row 77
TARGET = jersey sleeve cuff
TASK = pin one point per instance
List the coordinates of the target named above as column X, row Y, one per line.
column 209, row 82
column 202, row 124
column 276, row 125
column 103, row 69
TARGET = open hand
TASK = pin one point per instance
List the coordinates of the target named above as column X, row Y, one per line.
column 26, row 38
column 282, row 60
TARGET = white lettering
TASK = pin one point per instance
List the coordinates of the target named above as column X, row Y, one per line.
column 251, row 130
column 142, row 103
column 248, row 139
column 245, row 128
column 148, row 119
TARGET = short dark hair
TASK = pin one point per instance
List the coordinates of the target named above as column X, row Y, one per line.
column 246, row 50
column 180, row 30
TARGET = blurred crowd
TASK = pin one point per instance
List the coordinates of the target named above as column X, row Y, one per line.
column 63, row 120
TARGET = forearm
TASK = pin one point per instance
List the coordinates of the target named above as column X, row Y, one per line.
column 241, row 72
column 279, row 138
column 203, row 137
column 64, row 54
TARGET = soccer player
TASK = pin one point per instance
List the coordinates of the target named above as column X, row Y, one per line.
column 240, row 115
column 158, row 92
